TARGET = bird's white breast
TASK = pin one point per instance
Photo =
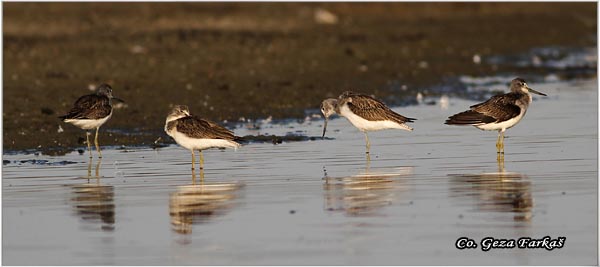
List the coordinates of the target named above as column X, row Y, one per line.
column 200, row 143
column 502, row 126
column 88, row 124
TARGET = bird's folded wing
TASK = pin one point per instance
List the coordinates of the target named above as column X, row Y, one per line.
column 500, row 107
column 89, row 107
column 195, row 127
column 372, row 109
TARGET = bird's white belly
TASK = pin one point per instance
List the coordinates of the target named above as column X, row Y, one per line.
column 502, row 126
column 367, row 125
column 88, row 124
column 202, row 143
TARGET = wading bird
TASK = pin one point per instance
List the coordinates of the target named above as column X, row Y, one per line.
column 365, row 113
column 499, row 113
column 92, row 111
column 195, row 133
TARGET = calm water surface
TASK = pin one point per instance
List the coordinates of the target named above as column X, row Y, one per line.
column 322, row 202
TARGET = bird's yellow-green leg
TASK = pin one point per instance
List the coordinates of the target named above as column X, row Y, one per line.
column 498, row 142
column 193, row 177
column 368, row 143
column 502, row 143
column 193, row 159
column 89, row 170
column 500, row 160
column 201, row 176
column 87, row 136
column 201, row 160
column 96, row 142
column 98, row 168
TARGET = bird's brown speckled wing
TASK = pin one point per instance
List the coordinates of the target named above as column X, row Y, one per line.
column 195, row 127
column 499, row 107
column 371, row 109
column 89, row 107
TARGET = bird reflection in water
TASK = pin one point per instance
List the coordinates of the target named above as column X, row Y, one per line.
column 200, row 202
column 93, row 202
column 500, row 191
column 365, row 193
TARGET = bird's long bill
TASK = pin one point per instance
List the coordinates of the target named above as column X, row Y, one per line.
column 324, row 128
column 535, row 92
column 118, row 99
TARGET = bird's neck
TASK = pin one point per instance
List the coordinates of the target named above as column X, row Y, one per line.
column 105, row 99
column 528, row 98
column 171, row 122
column 171, row 118
column 524, row 100
column 336, row 106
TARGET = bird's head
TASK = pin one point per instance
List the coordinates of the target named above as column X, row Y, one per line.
column 519, row 85
column 328, row 108
column 105, row 90
column 177, row 112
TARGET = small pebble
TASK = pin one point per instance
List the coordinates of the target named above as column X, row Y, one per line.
column 292, row 211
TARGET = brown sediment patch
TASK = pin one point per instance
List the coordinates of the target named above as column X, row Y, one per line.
column 227, row 60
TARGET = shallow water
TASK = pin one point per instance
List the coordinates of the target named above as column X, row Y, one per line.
column 322, row 202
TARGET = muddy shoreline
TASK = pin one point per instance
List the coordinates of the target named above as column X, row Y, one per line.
column 229, row 61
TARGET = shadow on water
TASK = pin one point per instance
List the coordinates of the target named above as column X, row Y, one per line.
column 367, row 192
column 200, row 202
column 502, row 191
column 93, row 201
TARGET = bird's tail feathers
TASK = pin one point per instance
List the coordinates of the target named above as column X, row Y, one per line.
column 468, row 117
column 410, row 119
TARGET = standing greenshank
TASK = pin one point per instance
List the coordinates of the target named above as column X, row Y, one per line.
column 365, row 113
column 195, row 133
column 499, row 113
column 92, row 111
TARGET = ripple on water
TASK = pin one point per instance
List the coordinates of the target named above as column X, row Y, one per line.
column 321, row 199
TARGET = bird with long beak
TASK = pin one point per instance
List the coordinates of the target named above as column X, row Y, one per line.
column 499, row 113
column 365, row 113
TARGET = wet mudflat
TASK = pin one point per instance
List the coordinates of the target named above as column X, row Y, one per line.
column 225, row 59
column 321, row 202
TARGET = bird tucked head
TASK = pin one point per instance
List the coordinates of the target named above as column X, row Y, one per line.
column 519, row 85
column 178, row 111
column 328, row 108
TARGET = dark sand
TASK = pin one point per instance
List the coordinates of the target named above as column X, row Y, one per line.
column 250, row 60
